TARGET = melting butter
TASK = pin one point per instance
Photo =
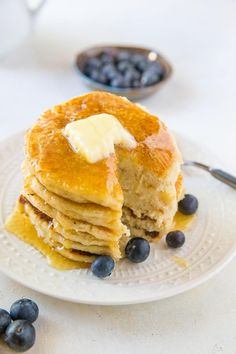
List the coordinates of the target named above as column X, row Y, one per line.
column 94, row 137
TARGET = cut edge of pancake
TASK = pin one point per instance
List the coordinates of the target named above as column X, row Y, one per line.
column 69, row 248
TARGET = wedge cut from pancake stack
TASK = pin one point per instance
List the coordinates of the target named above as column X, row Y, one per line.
column 83, row 209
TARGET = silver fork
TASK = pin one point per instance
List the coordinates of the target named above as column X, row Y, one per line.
column 215, row 172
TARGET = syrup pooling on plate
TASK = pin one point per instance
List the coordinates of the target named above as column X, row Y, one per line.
column 21, row 226
column 181, row 262
column 181, row 222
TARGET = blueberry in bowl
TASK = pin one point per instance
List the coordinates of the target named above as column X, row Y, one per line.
column 133, row 72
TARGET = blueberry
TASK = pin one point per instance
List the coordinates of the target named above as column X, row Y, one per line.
column 142, row 65
column 106, row 58
column 149, row 78
column 136, row 83
column 137, row 249
column 175, row 239
column 118, row 82
column 94, row 63
column 155, row 67
column 109, row 71
column 5, row 320
column 126, row 83
column 95, row 74
column 136, row 58
column 124, row 65
column 103, row 266
column 98, row 76
column 20, row 335
column 102, row 79
column 188, row 205
column 24, row 309
column 123, row 55
column 132, row 74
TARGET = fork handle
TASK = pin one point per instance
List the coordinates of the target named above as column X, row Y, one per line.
column 223, row 177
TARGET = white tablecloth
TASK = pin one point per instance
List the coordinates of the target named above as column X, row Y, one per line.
column 198, row 37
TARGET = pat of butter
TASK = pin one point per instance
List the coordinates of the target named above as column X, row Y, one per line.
column 94, row 137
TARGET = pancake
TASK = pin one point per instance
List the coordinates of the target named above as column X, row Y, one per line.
column 72, row 224
column 87, row 239
column 84, row 209
column 43, row 232
column 89, row 212
column 46, row 230
column 56, row 165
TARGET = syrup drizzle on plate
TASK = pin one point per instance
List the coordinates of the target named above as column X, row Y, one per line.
column 20, row 225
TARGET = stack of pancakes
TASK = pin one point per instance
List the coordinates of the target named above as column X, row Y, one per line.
column 82, row 210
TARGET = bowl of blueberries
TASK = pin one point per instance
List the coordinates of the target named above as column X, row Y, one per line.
column 133, row 72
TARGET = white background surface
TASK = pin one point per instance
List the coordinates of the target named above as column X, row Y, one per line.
column 198, row 37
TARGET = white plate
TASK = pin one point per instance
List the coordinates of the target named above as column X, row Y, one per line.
column 210, row 244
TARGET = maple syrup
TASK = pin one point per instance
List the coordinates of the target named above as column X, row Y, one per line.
column 20, row 225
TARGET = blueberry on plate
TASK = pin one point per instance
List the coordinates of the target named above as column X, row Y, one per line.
column 24, row 309
column 20, row 335
column 103, row 266
column 5, row 320
column 137, row 249
column 175, row 239
column 188, row 205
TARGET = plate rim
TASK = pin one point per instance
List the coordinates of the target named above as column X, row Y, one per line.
column 180, row 290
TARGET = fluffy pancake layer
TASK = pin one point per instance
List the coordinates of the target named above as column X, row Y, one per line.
column 70, row 245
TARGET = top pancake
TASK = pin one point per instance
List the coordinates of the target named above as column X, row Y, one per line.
column 64, row 172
